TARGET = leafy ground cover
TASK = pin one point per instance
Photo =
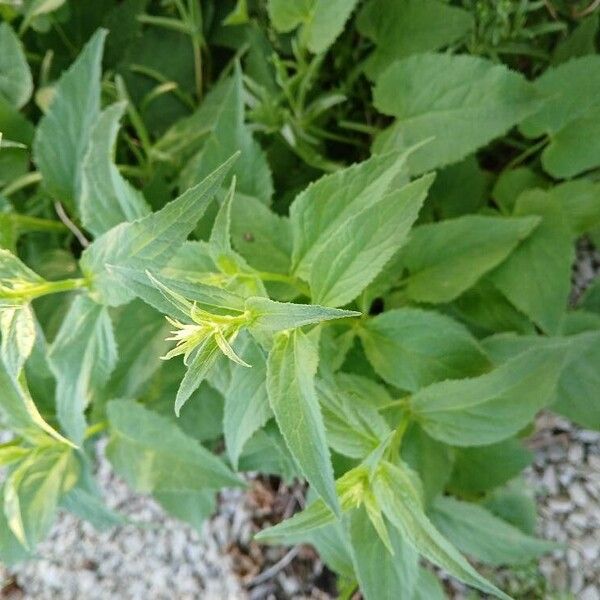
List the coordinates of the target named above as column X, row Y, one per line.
column 359, row 220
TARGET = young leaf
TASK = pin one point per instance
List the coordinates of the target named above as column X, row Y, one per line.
column 428, row 25
column 107, row 199
column 444, row 259
column 18, row 329
column 480, row 534
column 154, row 455
column 63, row 134
column 400, row 501
column 271, row 316
column 442, row 95
column 411, row 348
column 494, row 406
column 82, row 357
column 381, row 575
column 33, row 490
column 16, row 84
column 349, row 261
column 291, row 368
column 149, row 242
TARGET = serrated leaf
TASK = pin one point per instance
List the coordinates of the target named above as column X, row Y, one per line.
column 350, row 260
column 381, row 575
column 247, row 406
column 480, row 534
column 269, row 315
column 228, row 135
column 154, row 455
column 16, row 83
column 494, row 406
column 322, row 210
column 291, row 368
column 428, row 25
column 536, row 276
column 353, row 428
column 411, row 348
column 440, row 96
column 18, row 329
column 107, row 199
column 444, row 259
column 397, row 495
column 63, row 135
column 81, row 357
column 33, row 490
column 150, row 242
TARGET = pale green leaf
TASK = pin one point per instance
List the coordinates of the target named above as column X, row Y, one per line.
column 18, row 329
column 411, row 348
column 64, row 132
column 291, row 368
column 107, row 199
column 350, row 260
column 426, row 25
column 480, row 534
column 286, row 16
column 16, row 83
column 269, row 315
column 147, row 243
column 494, row 406
column 81, row 357
column 462, row 102
column 322, row 210
column 381, row 575
column 154, row 455
column 536, row 276
column 326, row 23
column 399, row 498
column 247, row 406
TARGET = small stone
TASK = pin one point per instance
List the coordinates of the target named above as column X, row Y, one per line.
column 549, row 480
column 590, row 549
column 575, row 454
column 560, row 506
column 573, row 558
column 578, row 494
column 591, row 592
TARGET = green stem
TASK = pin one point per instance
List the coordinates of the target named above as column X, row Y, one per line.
column 301, row 286
column 394, row 448
column 96, row 428
column 46, row 288
column 37, row 223
column 526, row 154
column 22, row 182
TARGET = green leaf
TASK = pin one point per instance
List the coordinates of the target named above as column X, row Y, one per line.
column 580, row 42
column 427, row 25
column 273, row 316
column 82, row 357
column 107, row 199
column 154, row 455
column 428, row 587
column 322, row 211
column 434, row 93
column 63, row 135
column 397, row 495
column 444, row 259
column 350, row 260
column 483, row 468
column 411, row 348
column 16, row 83
column 327, row 22
column 536, row 277
column 291, row 368
column 18, row 329
column 147, row 243
column 512, row 183
column 33, row 490
column 11, row 551
column 192, row 507
column 381, row 575
column 247, row 406
column 480, row 534
column 228, row 135
column 353, row 428
column 569, row 117
column 286, row 16
column 494, row 406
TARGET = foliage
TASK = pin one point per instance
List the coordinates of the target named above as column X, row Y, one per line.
column 359, row 219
